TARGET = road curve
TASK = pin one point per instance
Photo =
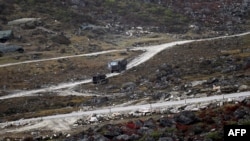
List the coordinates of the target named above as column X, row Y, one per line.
column 67, row 120
column 152, row 105
column 150, row 51
column 155, row 105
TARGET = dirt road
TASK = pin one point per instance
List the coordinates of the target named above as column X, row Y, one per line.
column 65, row 121
column 150, row 51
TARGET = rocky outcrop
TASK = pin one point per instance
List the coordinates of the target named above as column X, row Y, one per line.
column 26, row 23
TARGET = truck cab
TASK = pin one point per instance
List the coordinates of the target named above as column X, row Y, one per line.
column 117, row 65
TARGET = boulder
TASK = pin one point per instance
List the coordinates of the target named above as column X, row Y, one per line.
column 123, row 137
column 165, row 122
column 185, row 117
column 240, row 112
column 26, row 23
column 243, row 88
column 166, row 139
column 128, row 86
column 23, row 21
column 150, row 123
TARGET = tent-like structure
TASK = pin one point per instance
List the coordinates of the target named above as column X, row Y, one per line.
column 5, row 35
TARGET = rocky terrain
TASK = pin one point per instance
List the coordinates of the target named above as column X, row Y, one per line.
column 72, row 27
column 185, row 125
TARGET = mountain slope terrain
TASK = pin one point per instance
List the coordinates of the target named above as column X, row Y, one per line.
column 47, row 29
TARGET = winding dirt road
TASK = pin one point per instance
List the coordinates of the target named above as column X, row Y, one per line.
column 150, row 51
column 65, row 121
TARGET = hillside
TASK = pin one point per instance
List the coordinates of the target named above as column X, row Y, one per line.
column 73, row 27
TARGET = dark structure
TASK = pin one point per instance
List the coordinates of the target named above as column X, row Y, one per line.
column 118, row 65
column 10, row 48
column 5, row 35
column 99, row 79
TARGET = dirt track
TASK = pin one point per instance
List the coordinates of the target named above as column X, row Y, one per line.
column 60, row 122
column 149, row 53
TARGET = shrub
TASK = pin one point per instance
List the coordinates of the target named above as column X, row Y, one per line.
column 214, row 136
column 244, row 122
column 156, row 134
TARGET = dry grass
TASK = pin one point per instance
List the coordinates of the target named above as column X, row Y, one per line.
column 231, row 52
column 29, row 76
column 150, row 39
column 185, row 59
column 28, row 107
column 33, row 75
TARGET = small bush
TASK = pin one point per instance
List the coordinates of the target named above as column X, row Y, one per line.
column 156, row 134
column 215, row 136
column 244, row 122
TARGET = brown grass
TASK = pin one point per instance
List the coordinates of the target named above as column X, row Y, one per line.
column 34, row 75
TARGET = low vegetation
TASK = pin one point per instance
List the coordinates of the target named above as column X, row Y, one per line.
column 73, row 27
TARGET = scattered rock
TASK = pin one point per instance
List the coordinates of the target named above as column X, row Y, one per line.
column 185, row 117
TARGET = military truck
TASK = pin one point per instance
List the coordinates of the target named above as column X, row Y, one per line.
column 117, row 65
column 99, row 79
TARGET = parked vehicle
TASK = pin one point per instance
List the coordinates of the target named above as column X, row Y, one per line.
column 117, row 65
column 10, row 48
column 99, row 79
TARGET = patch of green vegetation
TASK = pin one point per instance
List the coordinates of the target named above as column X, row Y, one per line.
column 215, row 136
column 109, row 1
column 143, row 138
column 231, row 122
column 244, row 122
column 156, row 134
column 246, row 40
column 6, row 58
column 171, row 130
column 63, row 15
